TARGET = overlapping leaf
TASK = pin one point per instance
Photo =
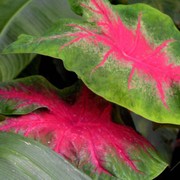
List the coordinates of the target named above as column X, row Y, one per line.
column 117, row 51
column 22, row 158
column 26, row 16
column 81, row 131
column 169, row 7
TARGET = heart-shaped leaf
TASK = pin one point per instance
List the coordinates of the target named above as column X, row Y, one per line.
column 22, row 158
column 125, row 58
column 82, row 132
column 26, row 16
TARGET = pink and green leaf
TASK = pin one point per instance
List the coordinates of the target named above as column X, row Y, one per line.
column 82, row 132
column 121, row 54
column 21, row 98
column 168, row 7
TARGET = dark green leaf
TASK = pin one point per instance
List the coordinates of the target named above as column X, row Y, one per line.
column 163, row 137
column 22, row 158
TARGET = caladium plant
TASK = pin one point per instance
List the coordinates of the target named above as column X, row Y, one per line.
column 120, row 53
column 127, row 54
column 82, row 130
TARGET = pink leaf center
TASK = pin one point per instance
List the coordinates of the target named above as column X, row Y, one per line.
column 82, row 132
column 127, row 45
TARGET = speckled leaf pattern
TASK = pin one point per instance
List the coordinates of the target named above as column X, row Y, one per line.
column 168, row 7
column 82, row 132
column 124, row 57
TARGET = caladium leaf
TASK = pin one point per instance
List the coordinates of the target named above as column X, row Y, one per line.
column 83, row 133
column 22, row 158
column 167, row 6
column 16, row 99
column 123, row 57
column 16, row 96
